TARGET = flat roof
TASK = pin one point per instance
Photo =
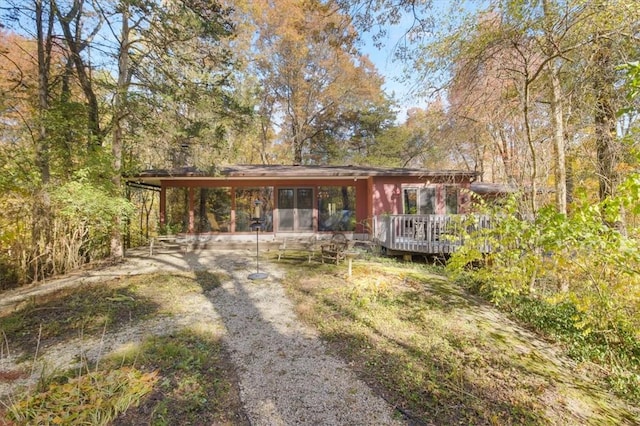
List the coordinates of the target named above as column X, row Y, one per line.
column 250, row 171
column 489, row 188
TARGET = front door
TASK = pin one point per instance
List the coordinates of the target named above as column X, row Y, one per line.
column 295, row 209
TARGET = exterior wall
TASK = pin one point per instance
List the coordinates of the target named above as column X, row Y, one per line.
column 362, row 207
column 387, row 198
column 387, row 193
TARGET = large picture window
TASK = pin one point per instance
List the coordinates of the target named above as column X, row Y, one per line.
column 212, row 209
column 336, row 208
column 177, row 219
column 245, row 207
column 419, row 200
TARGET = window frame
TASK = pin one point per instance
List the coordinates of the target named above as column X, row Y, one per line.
column 421, row 193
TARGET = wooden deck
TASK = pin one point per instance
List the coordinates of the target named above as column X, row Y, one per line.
column 423, row 234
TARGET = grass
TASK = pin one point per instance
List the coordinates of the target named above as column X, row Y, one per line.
column 441, row 355
column 197, row 383
column 95, row 398
column 184, row 377
column 437, row 353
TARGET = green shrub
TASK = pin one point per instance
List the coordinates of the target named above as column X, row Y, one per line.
column 575, row 278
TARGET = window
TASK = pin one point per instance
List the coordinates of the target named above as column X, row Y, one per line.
column 177, row 219
column 410, row 201
column 336, row 208
column 212, row 209
column 427, row 200
column 419, row 200
column 451, row 199
column 245, row 207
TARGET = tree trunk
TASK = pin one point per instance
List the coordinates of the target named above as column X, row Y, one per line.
column 117, row 250
column 570, row 180
column 40, row 224
column 76, row 45
column 44, row 60
column 67, row 151
column 532, row 149
column 605, row 119
column 297, row 145
column 557, row 122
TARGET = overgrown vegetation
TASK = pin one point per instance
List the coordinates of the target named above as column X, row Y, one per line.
column 183, row 377
column 40, row 238
column 573, row 278
column 442, row 355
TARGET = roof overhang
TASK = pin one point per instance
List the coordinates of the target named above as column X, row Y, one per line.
column 280, row 172
column 488, row 188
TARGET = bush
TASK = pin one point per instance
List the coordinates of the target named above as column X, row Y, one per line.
column 575, row 278
column 53, row 233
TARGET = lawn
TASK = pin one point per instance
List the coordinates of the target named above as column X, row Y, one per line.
column 433, row 351
column 443, row 356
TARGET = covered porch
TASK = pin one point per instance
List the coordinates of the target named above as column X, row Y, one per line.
column 291, row 202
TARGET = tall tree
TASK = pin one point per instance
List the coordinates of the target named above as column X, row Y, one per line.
column 184, row 75
column 44, row 36
column 119, row 113
column 552, row 50
column 77, row 38
column 311, row 74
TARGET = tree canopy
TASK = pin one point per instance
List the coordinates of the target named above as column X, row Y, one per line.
column 526, row 93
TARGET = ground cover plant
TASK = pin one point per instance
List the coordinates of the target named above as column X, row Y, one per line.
column 170, row 376
column 442, row 355
column 573, row 278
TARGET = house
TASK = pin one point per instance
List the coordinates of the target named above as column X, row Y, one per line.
column 300, row 200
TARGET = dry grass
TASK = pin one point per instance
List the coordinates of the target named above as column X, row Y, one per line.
column 443, row 356
column 184, row 376
column 436, row 353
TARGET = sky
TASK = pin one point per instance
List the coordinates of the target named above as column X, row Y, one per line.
column 392, row 70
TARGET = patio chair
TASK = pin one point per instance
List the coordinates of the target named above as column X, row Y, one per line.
column 335, row 249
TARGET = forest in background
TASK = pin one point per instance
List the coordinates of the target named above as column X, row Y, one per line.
column 539, row 95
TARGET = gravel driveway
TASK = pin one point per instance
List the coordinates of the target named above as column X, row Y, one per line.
column 286, row 375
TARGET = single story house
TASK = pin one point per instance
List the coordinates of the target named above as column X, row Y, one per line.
column 300, row 200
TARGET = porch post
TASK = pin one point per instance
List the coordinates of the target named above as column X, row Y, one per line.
column 163, row 206
column 192, row 218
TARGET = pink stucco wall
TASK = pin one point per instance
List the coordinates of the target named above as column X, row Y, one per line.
column 387, row 198
column 387, row 194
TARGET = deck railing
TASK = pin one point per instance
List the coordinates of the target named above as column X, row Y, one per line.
column 430, row 234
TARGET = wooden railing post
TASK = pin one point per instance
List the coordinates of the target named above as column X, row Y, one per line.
column 432, row 234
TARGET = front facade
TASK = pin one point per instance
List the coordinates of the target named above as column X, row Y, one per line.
column 299, row 200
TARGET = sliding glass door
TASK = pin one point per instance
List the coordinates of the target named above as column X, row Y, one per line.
column 295, row 209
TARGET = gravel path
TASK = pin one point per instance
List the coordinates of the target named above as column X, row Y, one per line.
column 286, row 375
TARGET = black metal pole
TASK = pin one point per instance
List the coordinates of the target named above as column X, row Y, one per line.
column 257, row 249
column 257, row 275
